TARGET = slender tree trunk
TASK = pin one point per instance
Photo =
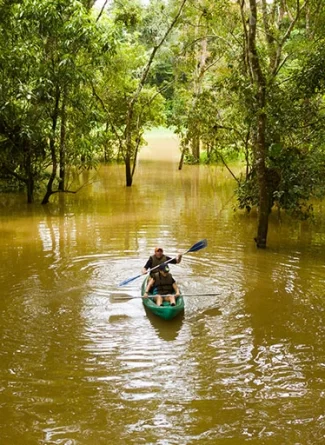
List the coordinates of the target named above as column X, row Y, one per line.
column 29, row 177
column 30, row 190
column 264, row 209
column 105, row 147
column 128, row 143
column 184, row 146
column 62, row 144
column 198, row 77
column 181, row 161
column 129, row 147
column 49, row 190
column 128, row 173
column 195, row 144
column 136, row 152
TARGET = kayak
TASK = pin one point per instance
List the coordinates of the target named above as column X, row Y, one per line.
column 166, row 311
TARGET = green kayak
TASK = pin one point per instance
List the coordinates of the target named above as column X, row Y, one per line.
column 166, row 311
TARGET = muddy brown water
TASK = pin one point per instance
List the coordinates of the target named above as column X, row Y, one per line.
column 79, row 367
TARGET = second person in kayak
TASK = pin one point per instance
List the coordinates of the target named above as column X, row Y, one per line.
column 159, row 258
column 163, row 286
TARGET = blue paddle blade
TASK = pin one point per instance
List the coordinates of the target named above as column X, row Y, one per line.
column 198, row 246
column 129, row 280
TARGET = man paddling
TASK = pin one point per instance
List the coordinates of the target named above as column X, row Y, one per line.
column 163, row 284
column 159, row 258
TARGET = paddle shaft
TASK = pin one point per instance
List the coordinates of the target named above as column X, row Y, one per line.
column 168, row 295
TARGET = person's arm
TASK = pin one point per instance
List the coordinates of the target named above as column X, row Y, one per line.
column 173, row 261
column 176, row 260
column 147, row 265
column 175, row 287
column 148, row 287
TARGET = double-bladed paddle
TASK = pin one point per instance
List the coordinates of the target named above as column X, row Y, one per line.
column 197, row 246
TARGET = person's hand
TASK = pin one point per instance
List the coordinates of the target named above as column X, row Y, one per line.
column 178, row 259
column 145, row 295
column 177, row 295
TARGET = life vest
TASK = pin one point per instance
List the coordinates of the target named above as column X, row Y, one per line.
column 163, row 285
column 156, row 261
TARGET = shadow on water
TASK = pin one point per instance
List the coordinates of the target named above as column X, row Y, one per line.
column 167, row 330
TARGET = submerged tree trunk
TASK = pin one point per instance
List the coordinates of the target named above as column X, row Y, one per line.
column 30, row 190
column 263, row 205
column 184, row 150
column 128, row 173
column 276, row 26
column 128, row 144
column 181, row 161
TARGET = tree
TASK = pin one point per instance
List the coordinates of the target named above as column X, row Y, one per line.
column 138, row 101
column 47, row 59
column 278, row 22
column 250, row 101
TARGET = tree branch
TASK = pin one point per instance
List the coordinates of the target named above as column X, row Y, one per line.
column 102, row 10
column 13, row 173
column 153, row 53
column 246, row 39
column 285, row 38
column 227, row 167
column 107, row 114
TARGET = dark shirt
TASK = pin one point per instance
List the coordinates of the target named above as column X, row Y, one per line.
column 148, row 264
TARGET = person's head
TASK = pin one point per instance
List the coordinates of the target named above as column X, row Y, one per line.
column 164, row 269
column 159, row 252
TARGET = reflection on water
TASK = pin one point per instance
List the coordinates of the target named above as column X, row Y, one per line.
column 166, row 331
column 80, row 367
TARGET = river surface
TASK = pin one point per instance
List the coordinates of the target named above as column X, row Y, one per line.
column 79, row 366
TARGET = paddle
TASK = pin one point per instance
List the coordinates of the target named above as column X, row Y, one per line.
column 127, row 297
column 197, row 246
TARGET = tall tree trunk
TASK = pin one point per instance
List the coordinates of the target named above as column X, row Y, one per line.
column 260, row 147
column 29, row 176
column 62, row 144
column 197, row 88
column 49, row 190
column 129, row 146
column 128, row 143
column 105, row 146
column 285, row 21
column 263, row 204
